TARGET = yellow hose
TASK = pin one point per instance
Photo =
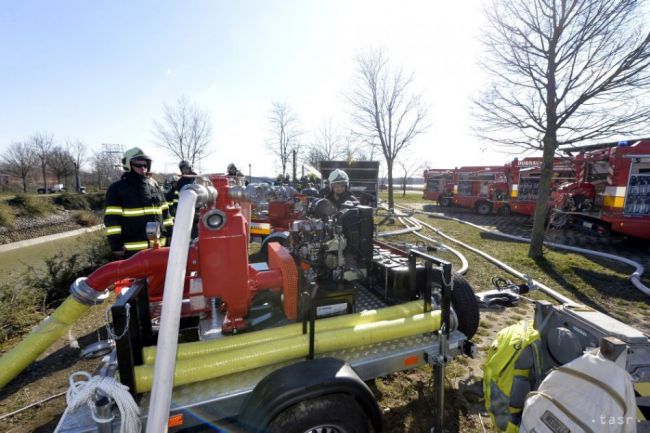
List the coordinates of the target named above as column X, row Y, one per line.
column 37, row 341
column 201, row 348
column 248, row 357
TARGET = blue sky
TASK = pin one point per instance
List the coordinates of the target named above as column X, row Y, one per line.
column 100, row 71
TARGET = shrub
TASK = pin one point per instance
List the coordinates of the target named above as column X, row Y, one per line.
column 72, row 201
column 18, row 308
column 96, row 200
column 87, row 219
column 62, row 270
column 7, row 217
column 31, row 206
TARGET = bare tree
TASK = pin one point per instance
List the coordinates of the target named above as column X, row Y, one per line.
column 385, row 109
column 19, row 160
column 327, row 145
column 185, row 131
column 42, row 143
column 285, row 133
column 409, row 168
column 61, row 163
column 564, row 71
column 78, row 151
column 103, row 169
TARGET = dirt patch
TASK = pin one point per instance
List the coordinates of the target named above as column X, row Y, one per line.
column 48, row 376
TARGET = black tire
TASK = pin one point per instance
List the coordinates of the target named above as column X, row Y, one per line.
column 444, row 201
column 334, row 413
column 505, row 210
column 281, row 237
column 465, row 305
column 558, row 220
column 483, row 208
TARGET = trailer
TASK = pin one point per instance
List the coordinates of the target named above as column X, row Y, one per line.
column 283, row 344
column 611, row 192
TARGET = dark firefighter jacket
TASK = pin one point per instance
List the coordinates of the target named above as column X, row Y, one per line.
column 346, row 196
column 131, row 203
column 184, row 180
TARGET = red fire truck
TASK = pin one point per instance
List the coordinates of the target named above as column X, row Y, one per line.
column 476, row 187
column 523, row 178
column 611, row 191
column 436, row 182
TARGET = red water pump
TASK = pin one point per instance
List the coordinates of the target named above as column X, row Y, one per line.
column 217, row 265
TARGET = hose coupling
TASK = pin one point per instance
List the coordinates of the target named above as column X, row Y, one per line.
column 82, row 292
column 204, row 193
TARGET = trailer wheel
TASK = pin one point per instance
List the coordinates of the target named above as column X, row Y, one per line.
column 281, row 237
column 444, row 201
column 333, row 413
column 483, row 208
column 465, row 305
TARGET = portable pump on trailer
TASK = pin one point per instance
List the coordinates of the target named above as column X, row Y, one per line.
column 323, row 291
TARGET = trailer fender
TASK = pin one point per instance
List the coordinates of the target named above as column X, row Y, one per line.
column 304, row 381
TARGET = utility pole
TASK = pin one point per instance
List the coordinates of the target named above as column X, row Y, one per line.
column 294, row 167
column 250, row 176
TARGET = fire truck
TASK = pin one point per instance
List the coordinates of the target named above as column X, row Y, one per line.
column 611, row 191
column 437, row 181
column 474, row 187
column 523, row 179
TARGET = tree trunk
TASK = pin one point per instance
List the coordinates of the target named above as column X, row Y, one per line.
column 541, row 209
column 44, row 176
column 25, row 184
column 389, row 169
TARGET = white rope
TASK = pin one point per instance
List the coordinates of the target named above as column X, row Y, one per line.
column 83, row 392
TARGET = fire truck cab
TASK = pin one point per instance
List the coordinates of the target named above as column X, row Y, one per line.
column 437, row 182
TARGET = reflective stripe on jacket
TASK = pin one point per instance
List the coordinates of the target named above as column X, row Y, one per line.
column 131, row 203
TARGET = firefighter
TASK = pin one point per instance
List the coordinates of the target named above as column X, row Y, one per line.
column 187, row 177
column 131, row 203
column 339, row 189
column 233, row 171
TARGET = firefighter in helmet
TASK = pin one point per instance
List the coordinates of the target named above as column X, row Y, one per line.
column 187, row 177
column 233, row 170
column 339, row 189
column 132, row 202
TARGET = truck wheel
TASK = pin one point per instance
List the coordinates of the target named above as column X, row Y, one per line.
column 465, row 305
column 483, row 208
column 334, row 413
column 559, row 221
column 445, row 201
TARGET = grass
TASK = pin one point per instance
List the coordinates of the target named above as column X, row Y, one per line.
column 7, row 217
column 29, row 205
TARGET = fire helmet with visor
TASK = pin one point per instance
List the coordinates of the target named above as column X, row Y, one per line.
column 338, row 177
column 135, row 154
